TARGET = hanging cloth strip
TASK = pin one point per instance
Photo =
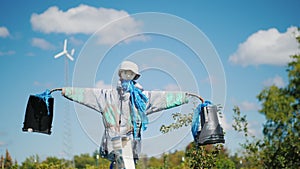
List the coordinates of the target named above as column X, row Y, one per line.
column 196, row 118
column 138, row 100
column 45, row 96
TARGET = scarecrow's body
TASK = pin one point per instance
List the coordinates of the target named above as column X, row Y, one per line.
column 116, row 110
column 124, row 112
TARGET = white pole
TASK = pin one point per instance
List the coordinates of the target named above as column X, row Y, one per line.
column 127, row 153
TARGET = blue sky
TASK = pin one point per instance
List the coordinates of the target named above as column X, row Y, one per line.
column 252, row 41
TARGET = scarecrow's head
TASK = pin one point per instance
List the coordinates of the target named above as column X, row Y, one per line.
column 128, row 71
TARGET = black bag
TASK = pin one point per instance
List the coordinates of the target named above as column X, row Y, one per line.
column 211, row 131
column 39, row 114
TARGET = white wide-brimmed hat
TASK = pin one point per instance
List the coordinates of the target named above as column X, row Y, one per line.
column 128, row 65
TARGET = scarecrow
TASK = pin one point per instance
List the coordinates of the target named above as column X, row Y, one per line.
column 125, row 109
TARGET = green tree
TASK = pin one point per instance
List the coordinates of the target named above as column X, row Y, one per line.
column 99, row 161
column 224, row 160
column 84, row 160
column 202, row 156
column 155, row 163
column 237, row 160
column 176, row 159
column 1, row 161
column 281, row 107
column 8, row 162
column 224, row 163
column 251, row 157
column 142, row 163
column 30, row 162
column 54, row 162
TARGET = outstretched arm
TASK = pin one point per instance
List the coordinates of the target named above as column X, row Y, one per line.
column 194, row 95
column 162, row 100
column 90, row 97
column 84, row 96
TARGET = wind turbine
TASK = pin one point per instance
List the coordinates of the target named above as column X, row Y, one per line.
column 67, row 137
column 65, row 52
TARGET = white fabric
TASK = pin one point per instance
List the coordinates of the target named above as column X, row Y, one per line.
column 114, row 105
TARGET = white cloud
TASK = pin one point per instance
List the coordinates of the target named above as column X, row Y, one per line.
column 277, row 81
column 7, row 53
column 267, row 47
column 41, row 43
column 102, row 85
column 85, row 19
column 75, row 41
column 4, row 32
column 30, row 54
column 3, row 134
column 2, row 144
column 248, row 106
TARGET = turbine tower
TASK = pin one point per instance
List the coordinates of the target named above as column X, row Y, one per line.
column 67, row 133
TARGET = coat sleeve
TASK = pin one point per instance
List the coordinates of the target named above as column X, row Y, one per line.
column 162, row 100
column 90, row 97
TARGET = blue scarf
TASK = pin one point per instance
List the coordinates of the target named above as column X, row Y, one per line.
column 196, row 118
column 138, row 100
column 45, row 96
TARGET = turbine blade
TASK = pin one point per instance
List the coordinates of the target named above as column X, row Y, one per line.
column 72, row 52
column 65, row 45
column 69, row 56
column 59, row 54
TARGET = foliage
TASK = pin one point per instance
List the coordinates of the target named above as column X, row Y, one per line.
column 173, row 160
column 281, row 106
column 87, row 161
column 240, row 122
column 33, row 162
column 180, row 121
column 202, row 156
column 225, row 163
column 223, row 160
column 83, row 160
column 251, row 159
column 30, row 162
column 7, row 161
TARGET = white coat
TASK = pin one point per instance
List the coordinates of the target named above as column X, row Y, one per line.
column 114, row 105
